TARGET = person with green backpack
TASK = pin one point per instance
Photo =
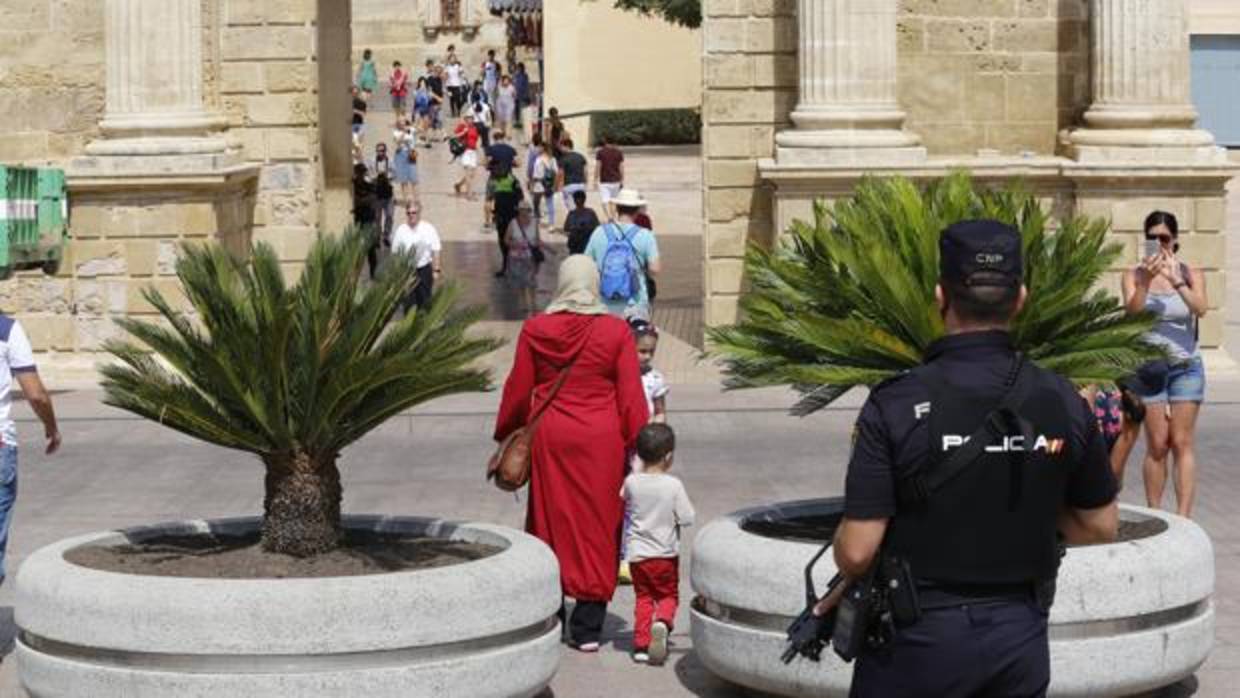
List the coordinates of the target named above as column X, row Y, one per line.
column 626, row 254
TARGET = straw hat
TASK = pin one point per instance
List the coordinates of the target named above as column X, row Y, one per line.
column 629, row 198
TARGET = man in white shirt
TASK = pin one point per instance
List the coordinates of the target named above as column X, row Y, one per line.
column 420, row 241
column 17, row 361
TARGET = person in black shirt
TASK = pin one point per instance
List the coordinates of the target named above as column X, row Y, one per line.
column 977, row 524
column 359, row 113
column 505, row 196
column 434, row 83
column 365, row 206
column 500, row 155
column 580, row 224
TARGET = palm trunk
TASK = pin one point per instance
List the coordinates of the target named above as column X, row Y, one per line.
column 302, row 505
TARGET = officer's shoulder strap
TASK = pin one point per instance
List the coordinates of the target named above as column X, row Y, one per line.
column 940, row 472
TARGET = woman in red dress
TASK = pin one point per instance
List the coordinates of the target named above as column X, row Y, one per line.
column 580, row 447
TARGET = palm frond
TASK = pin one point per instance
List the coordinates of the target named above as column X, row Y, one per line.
column 269, row 368
column 848, row 298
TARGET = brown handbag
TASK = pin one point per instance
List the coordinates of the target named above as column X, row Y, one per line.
column 510, row 465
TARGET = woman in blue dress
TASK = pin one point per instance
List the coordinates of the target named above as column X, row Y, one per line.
column 405, row 161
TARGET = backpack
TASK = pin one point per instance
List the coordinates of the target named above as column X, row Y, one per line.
column 548, row 178
column 505, row 184
column 620, row 272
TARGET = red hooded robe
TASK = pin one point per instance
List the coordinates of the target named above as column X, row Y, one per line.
column 580, row 447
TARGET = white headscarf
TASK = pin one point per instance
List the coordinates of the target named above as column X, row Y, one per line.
column 577, row 289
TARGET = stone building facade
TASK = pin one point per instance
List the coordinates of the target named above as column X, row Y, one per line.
column 1086, row 101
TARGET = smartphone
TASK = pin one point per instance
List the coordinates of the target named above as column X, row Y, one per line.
column 1152, row 248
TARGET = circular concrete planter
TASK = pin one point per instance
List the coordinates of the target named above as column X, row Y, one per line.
column 1129, row 617
column 481, row 628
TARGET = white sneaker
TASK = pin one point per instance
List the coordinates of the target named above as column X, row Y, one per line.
column 641, row 658
column 658, row 643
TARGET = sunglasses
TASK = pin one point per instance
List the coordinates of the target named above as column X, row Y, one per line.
column 1164, row 239
column 412, row 211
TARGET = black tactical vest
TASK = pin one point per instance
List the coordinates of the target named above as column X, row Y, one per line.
column 982, row 526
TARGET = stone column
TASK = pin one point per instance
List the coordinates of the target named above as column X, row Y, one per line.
column 848, row 110
column 155, row 100
column 1142, row 99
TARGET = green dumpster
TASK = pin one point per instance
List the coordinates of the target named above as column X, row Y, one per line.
column 34, row 213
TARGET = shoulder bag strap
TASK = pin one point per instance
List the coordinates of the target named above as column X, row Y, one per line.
column 937, row 473
column 559, row 382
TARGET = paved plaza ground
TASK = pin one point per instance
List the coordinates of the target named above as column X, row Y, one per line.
column 735, row 450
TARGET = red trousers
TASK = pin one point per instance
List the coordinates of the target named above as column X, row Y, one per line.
column 656, row 582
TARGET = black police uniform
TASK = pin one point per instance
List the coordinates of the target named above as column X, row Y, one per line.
column 978, row 544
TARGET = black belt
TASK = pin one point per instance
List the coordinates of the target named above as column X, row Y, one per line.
column 934, row 596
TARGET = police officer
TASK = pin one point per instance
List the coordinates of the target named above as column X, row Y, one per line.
column 976, row 524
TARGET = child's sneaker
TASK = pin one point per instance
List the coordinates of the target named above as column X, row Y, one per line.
column 641, row 657
column 658, row 643
column 624, row 576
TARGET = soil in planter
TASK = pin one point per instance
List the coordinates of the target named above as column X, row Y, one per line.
column 222, row 556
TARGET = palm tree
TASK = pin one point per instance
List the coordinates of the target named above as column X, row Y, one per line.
column 848, row 299
column 292, row 374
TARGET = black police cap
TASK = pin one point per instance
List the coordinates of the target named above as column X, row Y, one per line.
column 971, row 247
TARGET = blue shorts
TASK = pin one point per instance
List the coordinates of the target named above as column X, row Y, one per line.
column 1186, row 382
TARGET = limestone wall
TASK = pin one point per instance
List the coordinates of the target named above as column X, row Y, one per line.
column 51, row 78
column 269, row 89
column 750, row 86
column 393, row 30
column 997, row 74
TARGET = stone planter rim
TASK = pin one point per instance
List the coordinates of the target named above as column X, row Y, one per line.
column 63, row 602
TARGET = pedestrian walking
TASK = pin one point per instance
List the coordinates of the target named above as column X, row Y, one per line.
column 381, row 163
column 578, row 451
column 422, row 111
column 609, row 175
column 658, row 508
column 505, row 105
column 417, row 241
column 626, row 254
column 521, row 83
column 646, row 335
column 405, row 163
column 482, row 122
column 385, row 207
column 544, row 183
column 505, row 195
column 466, row 135
column 574, row 170
column 434, row 82
column 367, row 76
column 398, row 87
column 1171, row 389
column 490, row 76
column 359, row 114
column 525, row 256
column 580, row 224
column 364, row 216
column 17, row 363
column 957, row 515
column 454, row 79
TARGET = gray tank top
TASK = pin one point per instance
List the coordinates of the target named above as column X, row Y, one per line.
column 1177, row 327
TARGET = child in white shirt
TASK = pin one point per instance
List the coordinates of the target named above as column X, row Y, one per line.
column 658, row 507
column 647, row 337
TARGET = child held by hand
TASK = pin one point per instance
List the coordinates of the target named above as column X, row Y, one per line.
column 659, row 507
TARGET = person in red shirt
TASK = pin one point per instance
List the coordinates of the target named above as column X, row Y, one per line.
column 467, row 134
column 398, row 86
column 609, row 175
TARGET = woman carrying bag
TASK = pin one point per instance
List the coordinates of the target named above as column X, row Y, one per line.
column 1172, row 390
column 578, row 450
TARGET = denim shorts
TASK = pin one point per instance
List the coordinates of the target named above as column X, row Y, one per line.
column 1186, row 382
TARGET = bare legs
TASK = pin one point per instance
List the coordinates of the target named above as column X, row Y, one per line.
column 1171, row 434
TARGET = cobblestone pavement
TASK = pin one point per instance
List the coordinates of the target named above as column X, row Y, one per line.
column 735, row 450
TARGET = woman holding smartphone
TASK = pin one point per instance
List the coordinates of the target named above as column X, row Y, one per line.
column 1172, row 391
